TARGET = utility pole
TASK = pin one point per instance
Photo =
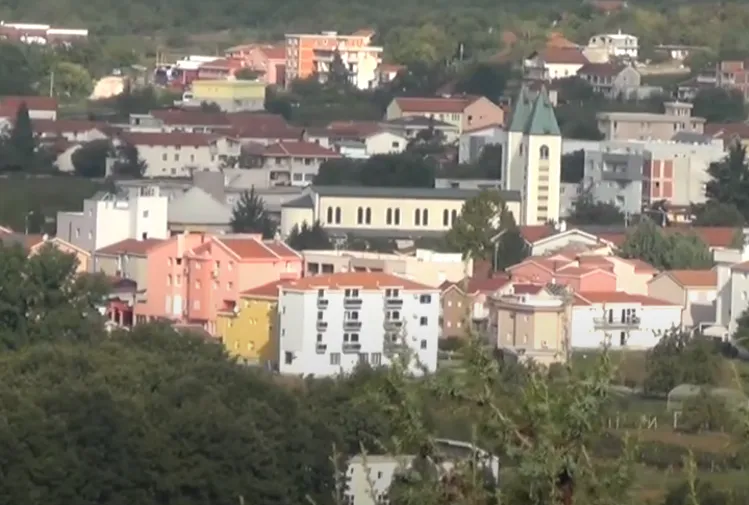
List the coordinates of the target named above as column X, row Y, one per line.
column 52, row 83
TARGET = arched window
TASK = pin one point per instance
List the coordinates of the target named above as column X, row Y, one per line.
column 454, row 216
column 425, row 217
column 417, row 217
column 337, row 215
column 445, row 217
column 389, row 216
column 543, row 152
column 397, row 219
column 330, row 215
column 359, row 215
column 368, row 216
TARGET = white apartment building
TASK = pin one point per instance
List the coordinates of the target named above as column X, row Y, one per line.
column 624, row 320
column 732, row 266
column 177, row 154
column 331, row 323
column 108, row 218
column 615, row 45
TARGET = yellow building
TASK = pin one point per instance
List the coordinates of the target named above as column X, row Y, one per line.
column 249, row 331
column 231, row 96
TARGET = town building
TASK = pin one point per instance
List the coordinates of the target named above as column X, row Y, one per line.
column 197, row 211
column 464, row 304
column 41, row 34
column 612, row 45
column 648, row 126
column 382, row 212
column 313, row 54
column 622, row 320
column 236, row 95
column 424, row 266
column 695, row 290
column 35, row 243
column 379, row 142
column 614, row 80
column 266, row 59
column 532, row 323
column 411, row 127
column 463, row 112
column 39, row 107
column 615, row 176
column 126, row 259
column 109, row 218
column 733, row 74
column 532, row 158
column 331, row 323
column 472, row 142
column 552, row 63
column 293, row 162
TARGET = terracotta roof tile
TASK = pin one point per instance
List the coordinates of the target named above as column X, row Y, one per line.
column 534, row 233
column 361, row 280
column 604, row 297
column 32, row 103
column 559, row 41
column 563, row 55
column 695, row 278
column 601, row 69
column 248, row 248
column 295, row 148
column 191, row 118
column 282, row 250
column 640, row 266
column 169, row 138
column 527, row 288
column 443, row 105
column 61, row 126
column 270, row 290
column 131, row 246
column 26, row 241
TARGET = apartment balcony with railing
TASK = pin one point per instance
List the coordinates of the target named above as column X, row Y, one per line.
column 352, row 324
column 351, row 347
column 351, row 302
column 322, row 303
column 626, row 323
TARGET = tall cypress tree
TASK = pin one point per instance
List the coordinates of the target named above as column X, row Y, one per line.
column 21, row 142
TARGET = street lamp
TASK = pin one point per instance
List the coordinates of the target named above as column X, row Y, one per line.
column 26, row 221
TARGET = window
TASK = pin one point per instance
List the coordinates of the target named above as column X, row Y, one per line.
column 319, row 337
column 192, row 157
column 543, row 152
column 359, row 215
column 375, row 359
column 425, row 217
column 321, row 293
column 392, row 293
column 423, row 344
column 163, row 157
column 319, row 315
column 229, row 286
column 368, row 216
column 423, row 321
column 453, row 216
column 176, row 157
column 196, row 304
column 335, row 358
column 288, row 358
column 351, row 337
column 445, row 217
column 417, row 217
column 425, row 299
column 351, row 293
column 337, row 215
column 169, row 280
column 397, row 219
column 363, row 357
column 330, row 215
column 389, row 216
column 197, row 284
column 145, row 214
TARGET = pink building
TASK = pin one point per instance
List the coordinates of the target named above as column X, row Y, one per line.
column 192, row 276
column 267, row 59
column 559, row 269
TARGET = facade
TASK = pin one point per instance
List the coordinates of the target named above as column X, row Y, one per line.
column 268, row 60
column 612, row 80
column 387, row 212
column 532, row 158
column 426, row 267
column 646, row 126
column 197, row 211
column 532, row 326
column 230, row 95
column 695, row 290
column 71, row 130
column 40, row 107
column 249, row 330
column 192, row 277
column 623, row 320
column 738, row 292
column 177, row 154
column 294, row 163
column 463, row 112
column 411, row 126
column 331, row 323
column 615, row 176
column 734, row 74
column 465, row 307
column 575, row 274
column 472, row 143
column 313, row 54
column 615, row 45
column 126, row 259
column 107, row 219
column 553, row 63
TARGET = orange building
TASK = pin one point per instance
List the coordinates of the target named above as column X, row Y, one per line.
column 310, row 54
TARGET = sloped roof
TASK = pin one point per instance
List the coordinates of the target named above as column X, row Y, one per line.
column 196, row 206
column 131, row 246
column 695, row 278
column 191, row 117
column 303, row 202
column 361, row 280
column 270, row 290
column 563, row 55
column 543, row 121
column 296, row 148
column 618, row 297
column 434, row 104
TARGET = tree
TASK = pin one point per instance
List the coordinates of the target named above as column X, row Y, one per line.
column 309, row 237
column 483, row 79
column 720, row 105
column 729, row 181
column 90, row 160
column 21, row 146
column 249, row 216
column 71, row 81
column 381, row 170
column 741, row 334
column 338, row 75
column 486, row 229
column 247, row 74
column 128, row 162
column 19, row 75
column 588, row 211
column 717, row 214
column 211, row 107
column 665, row 250
column 573, row 167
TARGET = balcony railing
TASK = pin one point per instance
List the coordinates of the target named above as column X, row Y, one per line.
column 393, row 303
column 352, row 303
column 322, row 325
column 351, row 347
column 393, row 325
column 629, row 323
column 322, row 303
column 321, row 348
column 351, row 325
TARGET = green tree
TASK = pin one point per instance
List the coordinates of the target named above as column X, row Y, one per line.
column 573, row 167
column 21, row 145
column 71, row 80
column 716, row 213
column 588, row 211
column 729, row 181
column 338, row 75
column 720, row 105
column 741, row 334
column 19, row 78
column 128, row 162
column 665, row 251
column 247, row 74
column 90, row 160
column 484, row 79
column 381, row 170
column 249, row 216
column 486, row 229
column 309, row 237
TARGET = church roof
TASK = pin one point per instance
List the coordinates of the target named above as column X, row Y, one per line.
column 534, row 115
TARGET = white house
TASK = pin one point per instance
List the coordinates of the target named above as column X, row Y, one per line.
column 177, row 154
column 616, row 45
column 107, row 219
column 330, row 323
column 624, row 320
column 553, row 63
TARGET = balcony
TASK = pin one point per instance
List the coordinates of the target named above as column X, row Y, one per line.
column 393, row 303
column 352, row 325
column 621, row 175
column 630, row 323
column 393, row 325
column 322, row 326
column 321, row 348
column 393, row 344
column 322, row 303
column 351, row 347
column 352, row 303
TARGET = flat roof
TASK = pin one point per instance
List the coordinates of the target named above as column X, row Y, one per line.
column 648, row 116
column 416, row 193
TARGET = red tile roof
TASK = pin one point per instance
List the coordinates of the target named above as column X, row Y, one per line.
column 534, row 233
column 353, row 129
column 61, row 126
column 563, row 55
column 556, row 40
column 299, row 149
column 32, row 103
column 439, row 105
column 527, row 288
column 131, row 247
column 247, row 248
column 270, row 290
column 191, row 118
column 475, row 285
column 601, row 69
column 169, row 138
column 361, row 280
column 604, row 297
column 695, row 278
column 246, row 125
column 641, row 266
column 282, row 250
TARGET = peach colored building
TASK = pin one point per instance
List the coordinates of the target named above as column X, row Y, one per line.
column 565, row 271
column 268, row 59
column 193, row 276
